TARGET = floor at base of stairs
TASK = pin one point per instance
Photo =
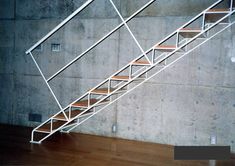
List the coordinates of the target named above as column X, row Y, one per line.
column 76, row 149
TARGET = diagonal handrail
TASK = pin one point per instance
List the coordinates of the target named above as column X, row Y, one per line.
column 65, row 21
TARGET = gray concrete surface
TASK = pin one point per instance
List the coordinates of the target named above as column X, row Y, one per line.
column 184, row 105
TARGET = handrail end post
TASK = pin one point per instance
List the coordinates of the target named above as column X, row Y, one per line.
column 27, row 52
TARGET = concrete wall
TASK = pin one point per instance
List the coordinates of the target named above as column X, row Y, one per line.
column 184, row 105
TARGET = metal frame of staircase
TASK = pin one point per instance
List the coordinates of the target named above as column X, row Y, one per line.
column 158, row 57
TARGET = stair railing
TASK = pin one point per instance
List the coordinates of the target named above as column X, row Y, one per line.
column 63, row 23
column 152, row 65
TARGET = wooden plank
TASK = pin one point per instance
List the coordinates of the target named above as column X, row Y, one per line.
column 102, row 91
column 73, row 114
column 218, row 10
column 141, row 62
column 85, row 150
column 84, row 103
column 214, row 15
column 190, row 32
column 122, row 78
column 47, row 127
column 165, row 48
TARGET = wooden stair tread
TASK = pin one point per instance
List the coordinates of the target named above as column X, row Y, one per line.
column 214, row 15
column 76, row 112
column 102, row 90
column 217, row 10
column 47, row 127
column 84, row 103
column 44, row 128
column 165, row 48
column 141, row 62
column 120, row 77
column 190, row 30
column 72, row 115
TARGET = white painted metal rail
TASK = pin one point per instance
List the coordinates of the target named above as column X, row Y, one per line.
column 106, row 99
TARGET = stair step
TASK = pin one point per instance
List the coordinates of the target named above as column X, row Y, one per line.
column 141, row 62
column 218, row 11
column 125, row 78
column 104, row 91
column 214, row 15
column 84, row 103
column 46, row 128
column 121, row 78
column 165, row 48
column 72, row 115
column 190, row 32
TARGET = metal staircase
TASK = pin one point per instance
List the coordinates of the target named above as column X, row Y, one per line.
column 204, row 26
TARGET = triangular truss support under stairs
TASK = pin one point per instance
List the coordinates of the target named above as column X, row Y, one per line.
column 159, row 57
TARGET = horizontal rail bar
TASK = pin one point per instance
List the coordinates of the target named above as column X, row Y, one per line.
column 101, row 40
column 59, row 26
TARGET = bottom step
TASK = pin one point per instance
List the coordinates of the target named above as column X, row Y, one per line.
column 46, row 128
column 73, row 114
